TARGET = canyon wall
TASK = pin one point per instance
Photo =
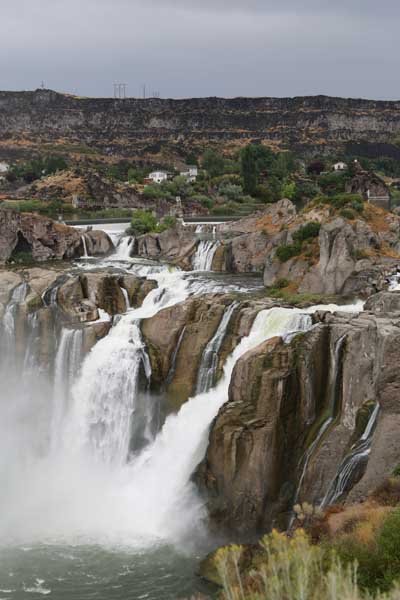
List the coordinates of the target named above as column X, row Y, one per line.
column 135, row 126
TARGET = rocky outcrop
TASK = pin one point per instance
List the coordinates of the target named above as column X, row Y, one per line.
column 136, row 127
column 43, row 239
column 173, row 245
column 348, row 257
column 295, row 412
column 82, row 296
column 176, row 338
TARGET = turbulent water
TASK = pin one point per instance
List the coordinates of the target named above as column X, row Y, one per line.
column 97, row 500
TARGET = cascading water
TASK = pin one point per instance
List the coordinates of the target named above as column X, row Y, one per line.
column 85, row 251
column 124, row 248
column 126, row 298
column 103, row 420
column 203, row 258
column 357, row 456
column 209, row 361
column 8, row 324
column 67, row 363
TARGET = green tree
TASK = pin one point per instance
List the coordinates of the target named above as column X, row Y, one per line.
column 213, row 163
column 254, row 159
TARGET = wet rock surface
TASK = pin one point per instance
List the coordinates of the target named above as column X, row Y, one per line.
column 279, row 399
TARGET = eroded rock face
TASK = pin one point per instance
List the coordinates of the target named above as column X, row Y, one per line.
column 39, row 236
column 44, row 239
column 98, row 243
column 176, row 338
column 173, row 245
column 80, row 297
column 279, row 399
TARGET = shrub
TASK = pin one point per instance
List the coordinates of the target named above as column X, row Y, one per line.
column 284, row 253
column 203, row 200
column 308, row 231
column 388, row 548
column 388, row 493
column 347, row 213
column 166, row 223
column 281, row 283
column 143, row 221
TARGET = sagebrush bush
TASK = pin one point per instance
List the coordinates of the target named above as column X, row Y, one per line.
column 294, row 569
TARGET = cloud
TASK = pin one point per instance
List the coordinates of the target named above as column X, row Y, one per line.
column 212, row 47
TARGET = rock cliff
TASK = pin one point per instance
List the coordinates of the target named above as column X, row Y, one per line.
column 134, row 127
column 297, row 413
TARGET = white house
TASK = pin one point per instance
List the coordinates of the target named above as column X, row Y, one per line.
column 190, row 173
column 158, row 176
column 340, row 166
column 4, row 167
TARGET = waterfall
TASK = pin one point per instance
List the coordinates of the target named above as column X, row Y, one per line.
column 209, row 361
column 358, row 454
column 85, row 252
column 104, row 414
column 67, row 363
column 165, row 466
column 327, row 421
column 202, row 260
column 124, row 248
column 10, row 315
column 175, row 356
column 126, row 297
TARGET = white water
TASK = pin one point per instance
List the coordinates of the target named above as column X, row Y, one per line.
column 85, row 252
column 209, row 361
column 67, row 364
column 203, row 258
column 124, row 248
column 357, row 455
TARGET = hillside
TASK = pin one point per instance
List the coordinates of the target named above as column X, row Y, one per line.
column 137, row 128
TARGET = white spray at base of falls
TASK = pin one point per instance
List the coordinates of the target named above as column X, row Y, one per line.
column 203, row 258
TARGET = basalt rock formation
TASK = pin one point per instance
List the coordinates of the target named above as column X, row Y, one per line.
column 136, row 127
column 296, row 415
column 176, row 338
column 44, row 239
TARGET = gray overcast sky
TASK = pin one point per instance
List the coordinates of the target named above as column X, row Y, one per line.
column 187, row 48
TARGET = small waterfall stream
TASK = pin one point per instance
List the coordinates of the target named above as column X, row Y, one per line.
column 326, row 422
column 209, row 361
column 203, row 258
column 357, row 455
column 85, row 251
column 124, row 248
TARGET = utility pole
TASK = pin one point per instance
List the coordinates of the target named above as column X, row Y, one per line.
column 144, row 91
column 120, row 91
